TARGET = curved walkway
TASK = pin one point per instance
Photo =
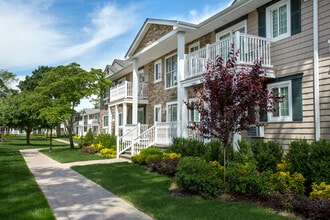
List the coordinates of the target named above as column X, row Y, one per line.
column 73, row 196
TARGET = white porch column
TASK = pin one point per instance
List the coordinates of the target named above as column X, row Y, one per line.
column 180, row 90
column 125, row 113
column 109, row 120
column 116, row 120
column 185, row 113
column 237, row 44
column 135, row 92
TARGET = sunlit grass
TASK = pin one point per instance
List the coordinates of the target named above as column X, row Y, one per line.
column 21, row 197
column 67, row 155
column 150, row 193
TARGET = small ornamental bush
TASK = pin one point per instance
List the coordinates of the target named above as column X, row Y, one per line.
column 298, row 157
column 89, row 149
column 187, row 147
column 111, row 153
column 319, row 165
column 267, row 154
column 321, row 190
column 284, row 181
column 107, row 140
column 166, row 165
column 213, row 151
column 146, row 155
column 198, row 176
column 243, row 178
column 89, row 138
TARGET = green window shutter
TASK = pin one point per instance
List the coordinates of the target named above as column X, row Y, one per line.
column 295, row 16
column 262, row 22
column 297, row 113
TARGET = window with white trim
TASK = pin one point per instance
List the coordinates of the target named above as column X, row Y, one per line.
column 194, row 47
column 171, row 71
column 157, row 113
column 278, row 20
column 283, row 109
column 158, row 71
column 105, row 121
column 241, row 27
column 172, row 111
column 120, row 119
column 194, row 115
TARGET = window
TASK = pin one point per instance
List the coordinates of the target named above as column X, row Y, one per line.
column 157, row 113
column 278, row 20
column 171, row 112
column 105, row 121
column 171, row 71
column 158, row 71
column 194, row 115
column 120, row 119
column 106, row 93
column 283, row 109
column 194, row 47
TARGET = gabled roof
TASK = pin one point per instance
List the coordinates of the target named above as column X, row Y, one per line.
column 116, row 66
column 147, row 24
column 90, row 111
column 168, row 41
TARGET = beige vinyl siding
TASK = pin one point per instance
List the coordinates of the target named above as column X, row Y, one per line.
column 290, row 56
column 324, row 67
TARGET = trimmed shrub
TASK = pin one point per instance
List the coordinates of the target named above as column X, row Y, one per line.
column 321, row 190
column 267, row 154
column 319, row 164
column 298, row 157
column 300, row 205
column 89, row 149
column 312, row 160
column 89, row 138
column 213, row 151
column 284, row 181
column 146, row 155
column 198, row 176
column 111, row 153
column 107, row 140
column 243, row 178
column 187, row 147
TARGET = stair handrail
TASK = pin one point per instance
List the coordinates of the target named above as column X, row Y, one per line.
column 125, row 142
column 144, row 140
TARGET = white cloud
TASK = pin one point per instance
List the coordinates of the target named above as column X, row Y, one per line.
column 31, row 36
column 197, row 15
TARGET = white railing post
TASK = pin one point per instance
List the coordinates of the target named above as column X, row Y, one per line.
column 237, row 44
column 117, row 140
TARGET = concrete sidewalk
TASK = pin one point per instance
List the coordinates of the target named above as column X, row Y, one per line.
column 73, row 196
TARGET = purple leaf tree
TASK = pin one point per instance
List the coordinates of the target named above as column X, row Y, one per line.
column 227, row 95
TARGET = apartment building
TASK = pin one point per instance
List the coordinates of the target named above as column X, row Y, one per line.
column 88, row 119
column 144, row 106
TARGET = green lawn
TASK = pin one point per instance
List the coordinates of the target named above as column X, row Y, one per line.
column 67, row 155
column 150, row 193
column 21, row 197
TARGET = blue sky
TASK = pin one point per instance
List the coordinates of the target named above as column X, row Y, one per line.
column 89, row 32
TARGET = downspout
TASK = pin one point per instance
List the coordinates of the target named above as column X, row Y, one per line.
column 316, row 72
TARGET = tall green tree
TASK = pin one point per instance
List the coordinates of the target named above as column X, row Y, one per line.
column 62, row 88
column 6, row 79
column 31, row 82
column 17, row 111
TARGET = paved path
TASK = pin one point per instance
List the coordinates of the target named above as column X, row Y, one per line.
column 73, row 196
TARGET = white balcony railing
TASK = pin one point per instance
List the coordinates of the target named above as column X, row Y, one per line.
column 250, row 48
column 124, row 91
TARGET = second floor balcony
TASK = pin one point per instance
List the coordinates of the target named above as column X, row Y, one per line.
column 125, row 91
column 250, row 48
